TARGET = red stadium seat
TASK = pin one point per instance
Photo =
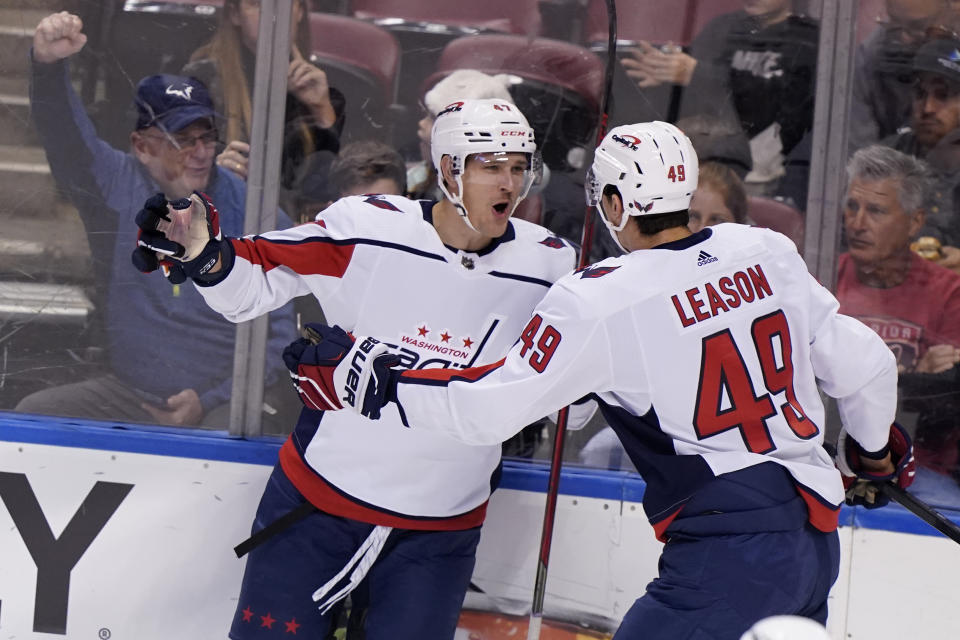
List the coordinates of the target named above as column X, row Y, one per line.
column 654, row 22
column 568, row 67
column 557, row 85
column 361, row 60
column 778, row 216
column 509, row 16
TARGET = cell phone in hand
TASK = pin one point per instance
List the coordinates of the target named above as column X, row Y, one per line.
column 150, row 398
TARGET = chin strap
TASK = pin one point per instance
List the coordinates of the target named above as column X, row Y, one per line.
column 457, row 200
column 612, row 229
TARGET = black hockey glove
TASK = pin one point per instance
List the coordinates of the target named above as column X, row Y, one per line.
column 862, row 486
column 331, row 370
column 183, row 238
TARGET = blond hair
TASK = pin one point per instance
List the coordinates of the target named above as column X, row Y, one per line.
column 225, row 50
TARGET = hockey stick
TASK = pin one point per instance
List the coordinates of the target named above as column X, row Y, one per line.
column 553, row 485
column 922, row 510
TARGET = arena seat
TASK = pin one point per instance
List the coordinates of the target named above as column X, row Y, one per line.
column 557, row 86
column 778, row 216
column 509, row 16
column 424, row 27
column 361, row 60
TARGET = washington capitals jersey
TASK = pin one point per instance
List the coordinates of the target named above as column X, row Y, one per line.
column 704, row 354
column 378, row 267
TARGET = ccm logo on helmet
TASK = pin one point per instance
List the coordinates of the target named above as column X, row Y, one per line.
column 450, row 108
column 628, row 141
column 514, row 132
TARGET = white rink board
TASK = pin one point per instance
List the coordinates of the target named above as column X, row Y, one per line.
column 163, row 565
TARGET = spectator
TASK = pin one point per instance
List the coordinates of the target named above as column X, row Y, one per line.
column 313, row 117
column 463, row 84
column 934, row 134
column 883, row 78
column 360, row 168
column 913, row 304
column 165, row 346
column 719, row 197
column 368, row 167
column 760, row 63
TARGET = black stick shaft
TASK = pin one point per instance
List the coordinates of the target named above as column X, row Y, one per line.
column 923, row 511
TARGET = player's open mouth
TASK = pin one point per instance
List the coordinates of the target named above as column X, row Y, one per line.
column 501, row 207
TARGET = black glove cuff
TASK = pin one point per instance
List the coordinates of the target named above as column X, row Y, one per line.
column 873, row 455
column 223, row 248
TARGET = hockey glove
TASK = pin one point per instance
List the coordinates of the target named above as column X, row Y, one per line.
column 331, row 370
column 862, row 485
column 183, row 238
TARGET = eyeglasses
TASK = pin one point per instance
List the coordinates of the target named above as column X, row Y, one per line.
column 186, row 141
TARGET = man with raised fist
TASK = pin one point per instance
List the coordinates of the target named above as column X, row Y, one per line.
column 165, row 347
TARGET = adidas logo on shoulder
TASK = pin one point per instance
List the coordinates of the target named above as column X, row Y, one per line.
column 705, row 258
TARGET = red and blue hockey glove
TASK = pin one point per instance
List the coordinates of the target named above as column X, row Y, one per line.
column 862, row 484
column 331, row 370
column 183, row 238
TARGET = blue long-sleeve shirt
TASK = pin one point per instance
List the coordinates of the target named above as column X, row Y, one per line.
column 161, row 338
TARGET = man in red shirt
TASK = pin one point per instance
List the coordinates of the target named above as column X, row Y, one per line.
column 912, row 303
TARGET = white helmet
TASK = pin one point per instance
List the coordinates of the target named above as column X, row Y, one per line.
column 786, row 628
column 466, row 127
column 652, row 165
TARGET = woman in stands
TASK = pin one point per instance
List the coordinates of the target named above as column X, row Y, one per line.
column 720, row 197
column 314, row 111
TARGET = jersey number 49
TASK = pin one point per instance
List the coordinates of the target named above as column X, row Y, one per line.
column 723, row 369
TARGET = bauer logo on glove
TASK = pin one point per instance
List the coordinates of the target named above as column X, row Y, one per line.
column 331, row 371
column 183, row 238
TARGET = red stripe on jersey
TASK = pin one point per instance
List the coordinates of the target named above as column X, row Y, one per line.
column 660, row 527
column 323, row 496
column 445, row 375
column 306, row 258
column 821, row 515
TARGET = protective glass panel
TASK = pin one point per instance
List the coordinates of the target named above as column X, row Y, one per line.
column 898, row 266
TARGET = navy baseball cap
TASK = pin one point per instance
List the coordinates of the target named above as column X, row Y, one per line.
column 171, row 102
column 940, row 56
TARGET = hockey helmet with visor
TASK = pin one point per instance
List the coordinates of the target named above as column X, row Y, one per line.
column 489, row 127
column 652, row 164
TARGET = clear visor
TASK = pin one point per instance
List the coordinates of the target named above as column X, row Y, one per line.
column 521, row 169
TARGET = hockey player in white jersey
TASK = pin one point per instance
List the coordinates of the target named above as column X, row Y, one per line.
column 448, row 284
column 704, row 351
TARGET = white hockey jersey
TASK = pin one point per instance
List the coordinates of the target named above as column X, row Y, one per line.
column 378, row 267
column 705, row 355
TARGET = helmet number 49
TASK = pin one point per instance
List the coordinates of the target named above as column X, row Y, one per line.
column 676, row 173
